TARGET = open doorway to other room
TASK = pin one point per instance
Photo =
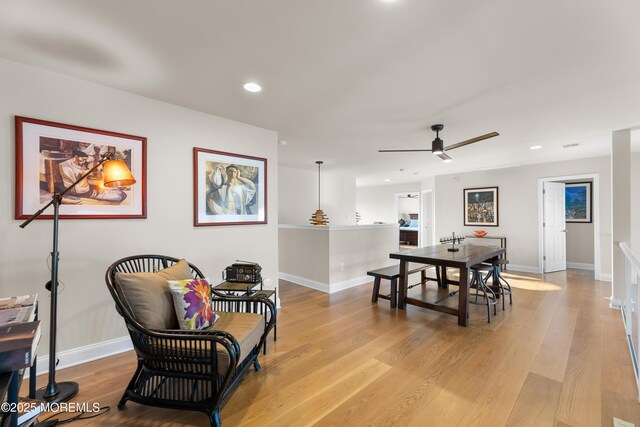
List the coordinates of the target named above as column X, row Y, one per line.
column 408, row 208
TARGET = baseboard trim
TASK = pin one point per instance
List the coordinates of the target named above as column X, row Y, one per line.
column 580, row 266
column 604, row 277
column 615, row 303
column 324, row 287
column 522, row 268
column 87, row 353
column 341, row 286
column 318, row 286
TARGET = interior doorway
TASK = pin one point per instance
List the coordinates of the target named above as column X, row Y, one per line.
column 408, row 214
column 568, row 244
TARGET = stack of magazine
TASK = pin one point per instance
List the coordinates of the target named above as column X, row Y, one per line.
column 19, row 333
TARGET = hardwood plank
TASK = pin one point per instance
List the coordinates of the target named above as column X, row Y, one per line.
column 325, row 400
column 580, row 399
column 537, row 402
column 553, row 355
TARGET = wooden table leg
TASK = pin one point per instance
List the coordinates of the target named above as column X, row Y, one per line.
column 394, row 293
column 443, row 274
column 402, row 288
column 463, row 300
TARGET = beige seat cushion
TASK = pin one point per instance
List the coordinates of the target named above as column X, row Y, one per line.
column 246, row 328
column 148, row 296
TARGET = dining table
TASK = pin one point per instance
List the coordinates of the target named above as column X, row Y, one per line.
column 443, row 258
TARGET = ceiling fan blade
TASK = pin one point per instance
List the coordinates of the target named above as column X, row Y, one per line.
column 443, row 156
column 398, row 151
column 472, row 140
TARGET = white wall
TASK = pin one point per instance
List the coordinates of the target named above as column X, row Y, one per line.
column 518, row 205
column 378, row 203
column 86, row 311
column 635, row 203
column 334, row 258
column 298, row 192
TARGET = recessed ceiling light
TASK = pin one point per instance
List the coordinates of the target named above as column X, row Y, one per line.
column 252, row 87
column 447, row 160
column 387, row 180
column 535, row 147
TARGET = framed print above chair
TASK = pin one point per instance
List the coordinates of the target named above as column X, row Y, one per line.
column 50, row 156
column 228, row 188
column 481, row 206
column 577, row 197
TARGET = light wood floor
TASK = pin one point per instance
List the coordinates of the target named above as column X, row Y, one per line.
column 557, row 357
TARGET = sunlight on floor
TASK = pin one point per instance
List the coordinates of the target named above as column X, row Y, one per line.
column 531, row 283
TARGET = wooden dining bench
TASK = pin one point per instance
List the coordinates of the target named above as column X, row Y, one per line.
column 392, row 274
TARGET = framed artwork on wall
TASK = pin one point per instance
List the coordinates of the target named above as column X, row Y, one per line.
column 50, row 156
column 228, row 188
column 481, row 206
column 577, row 197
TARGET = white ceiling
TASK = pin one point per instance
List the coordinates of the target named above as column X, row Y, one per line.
column 344, row 78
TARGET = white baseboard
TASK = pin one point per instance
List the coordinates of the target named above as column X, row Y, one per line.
column 580, row 266
column 318, row 286
column 340, row 286
column 604, row 278
column 324, row 287
column 522, row 268
column 87, row 353
column 615, row 303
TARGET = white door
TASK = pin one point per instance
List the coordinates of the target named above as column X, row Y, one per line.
column 555, row 229
column 426, row 227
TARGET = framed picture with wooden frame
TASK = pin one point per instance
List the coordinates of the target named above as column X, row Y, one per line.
column 481, row 206
column 577, row 196
column 228, row 188
column 50, row 156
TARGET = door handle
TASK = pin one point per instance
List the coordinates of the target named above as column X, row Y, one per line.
column 564, row 231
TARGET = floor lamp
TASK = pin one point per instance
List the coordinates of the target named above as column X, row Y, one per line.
column 115, row 173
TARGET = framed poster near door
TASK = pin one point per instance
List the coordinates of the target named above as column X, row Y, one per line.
column 578, row 202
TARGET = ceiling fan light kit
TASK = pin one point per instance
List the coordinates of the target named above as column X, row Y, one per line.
column 437, row 145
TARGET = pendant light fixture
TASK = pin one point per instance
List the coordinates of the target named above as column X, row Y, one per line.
column 319, row 218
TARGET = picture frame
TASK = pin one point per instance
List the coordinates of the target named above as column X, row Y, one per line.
column 50, row 156
column 481, row 206
column 218, row 202
column 578, row 202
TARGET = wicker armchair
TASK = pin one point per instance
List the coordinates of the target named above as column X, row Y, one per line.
column 184, row 369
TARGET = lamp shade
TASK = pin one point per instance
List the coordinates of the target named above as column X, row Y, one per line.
column 115, row 173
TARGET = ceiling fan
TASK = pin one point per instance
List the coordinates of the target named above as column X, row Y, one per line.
column 438, row 148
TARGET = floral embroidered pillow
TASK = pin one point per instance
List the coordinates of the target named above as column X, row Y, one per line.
column 192, row 302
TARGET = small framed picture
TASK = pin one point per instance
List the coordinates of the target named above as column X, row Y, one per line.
column 577, row 198
column 52, row 156
column 228, row 188
column 481, row 206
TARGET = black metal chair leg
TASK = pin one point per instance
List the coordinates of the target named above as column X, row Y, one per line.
column 256, row 364
column 123, row 401
column 214, row 418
